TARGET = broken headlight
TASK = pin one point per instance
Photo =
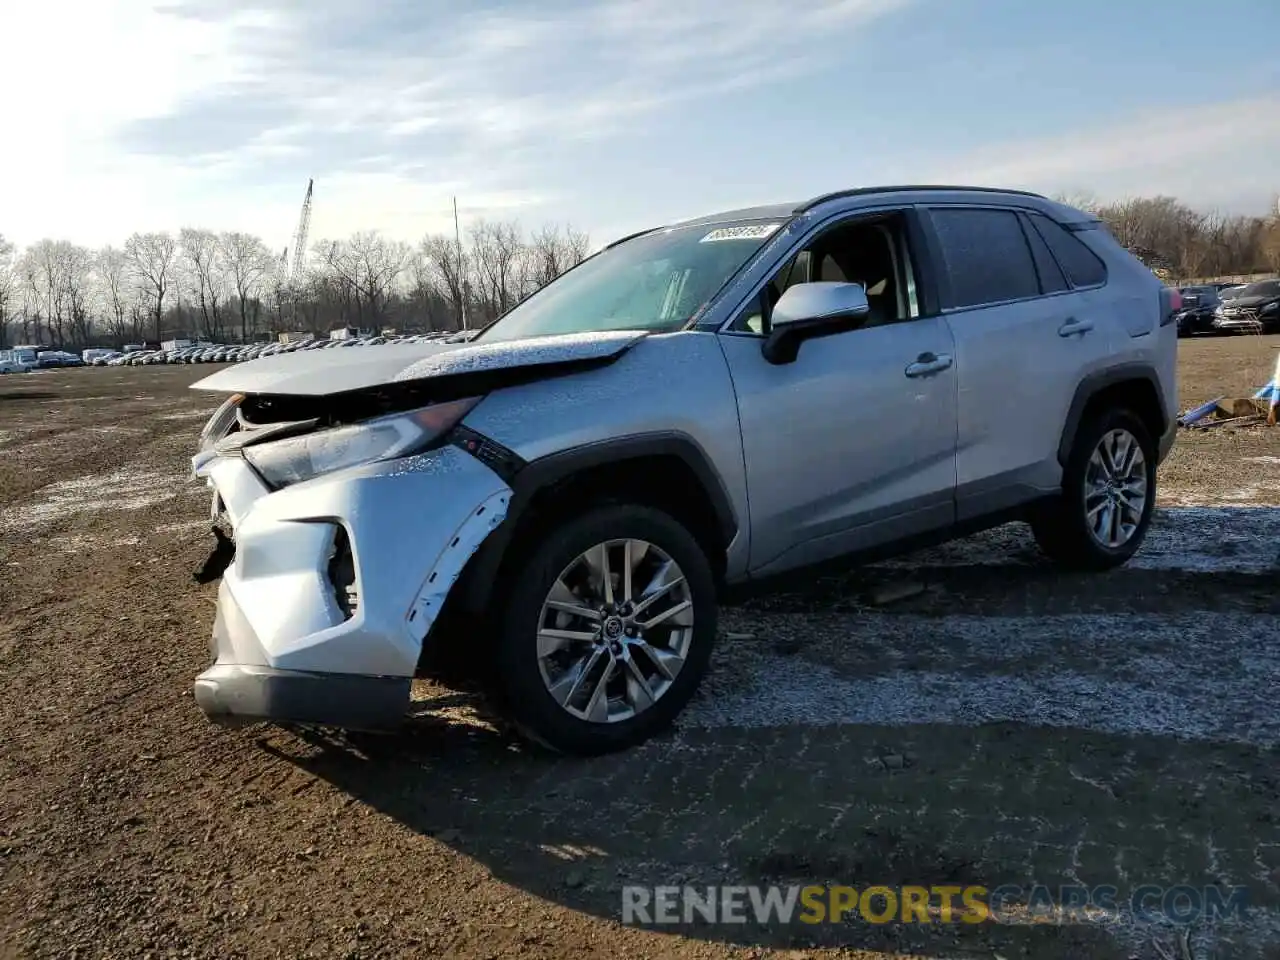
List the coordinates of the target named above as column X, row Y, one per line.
column 220, row 424
column 295, row 459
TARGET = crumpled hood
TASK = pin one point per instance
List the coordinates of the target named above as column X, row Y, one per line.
column 323, row 372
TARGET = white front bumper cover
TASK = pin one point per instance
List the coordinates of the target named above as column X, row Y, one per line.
column 285, row 649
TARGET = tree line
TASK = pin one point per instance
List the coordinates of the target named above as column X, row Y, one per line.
column 226, row 287
column 1183, row 243
column 229, row 286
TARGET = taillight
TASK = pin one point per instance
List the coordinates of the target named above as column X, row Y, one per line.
column 1170, row 304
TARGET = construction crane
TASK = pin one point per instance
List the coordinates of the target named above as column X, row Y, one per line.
column 297, row 261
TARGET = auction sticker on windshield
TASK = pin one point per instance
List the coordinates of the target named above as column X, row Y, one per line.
column 755, row 231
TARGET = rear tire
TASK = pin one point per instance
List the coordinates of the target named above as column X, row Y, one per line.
column 1097, row 522
column 631, row 672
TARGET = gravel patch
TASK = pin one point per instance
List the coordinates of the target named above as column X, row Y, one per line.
column 129, row 488
column 1198, row 676
column 1244, row 539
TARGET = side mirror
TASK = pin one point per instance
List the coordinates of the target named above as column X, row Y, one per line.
column 809, row 310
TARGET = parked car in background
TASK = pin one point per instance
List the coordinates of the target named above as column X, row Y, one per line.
column 58, row 358
column 1255, row 308
column 1199, row 304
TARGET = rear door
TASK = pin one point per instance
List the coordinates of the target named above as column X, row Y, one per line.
column 1024, row 338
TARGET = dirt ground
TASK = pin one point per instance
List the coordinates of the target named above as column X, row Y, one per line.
column 1007, row 725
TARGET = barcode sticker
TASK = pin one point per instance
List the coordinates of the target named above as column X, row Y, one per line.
column 755, row 231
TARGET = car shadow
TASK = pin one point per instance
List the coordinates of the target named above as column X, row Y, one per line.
column 29, row 396
column 925, row 805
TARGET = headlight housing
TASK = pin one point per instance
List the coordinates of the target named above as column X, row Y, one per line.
column 221, row 422
column 295, row 459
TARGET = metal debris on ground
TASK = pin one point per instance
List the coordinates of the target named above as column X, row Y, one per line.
column 1263, row 406
column 1229, row 411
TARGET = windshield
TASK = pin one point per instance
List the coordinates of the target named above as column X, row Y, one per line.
column 1263, row 288
column 655, row 282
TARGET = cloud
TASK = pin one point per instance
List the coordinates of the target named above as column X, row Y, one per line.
column 177, row 108
column 1213, row 155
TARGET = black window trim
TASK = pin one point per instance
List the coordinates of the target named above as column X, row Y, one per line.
column 921, row 254
column 1024, row 221
column 1072, row 287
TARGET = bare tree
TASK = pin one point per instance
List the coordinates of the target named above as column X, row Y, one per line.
column 442, row 260
column 41, row 269
column 551, row 252
column 1080, row 199
column 368, row 267
column 248, row 261
column 151, row 257
column 496, row 251
column 8, row 284
column 77, row 281
column 115, row 290
column 1270, row 245
column 208, row 275
column 27, row 273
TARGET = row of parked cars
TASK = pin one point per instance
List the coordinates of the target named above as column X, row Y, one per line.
column 1226, row 308
column 235, row 353
column 24, row 359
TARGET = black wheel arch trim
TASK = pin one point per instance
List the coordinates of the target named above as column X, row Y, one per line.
column 1095, row 383
column 540, row 474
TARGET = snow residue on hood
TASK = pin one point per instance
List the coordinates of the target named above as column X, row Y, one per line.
column 503, row 354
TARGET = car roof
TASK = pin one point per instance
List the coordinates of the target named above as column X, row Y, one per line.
column 782, row 211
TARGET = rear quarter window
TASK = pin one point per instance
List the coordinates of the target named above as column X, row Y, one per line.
column 1082, row 266
column 1052, row 279
column 986, row 256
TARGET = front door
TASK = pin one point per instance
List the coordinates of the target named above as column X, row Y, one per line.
column 853, row 444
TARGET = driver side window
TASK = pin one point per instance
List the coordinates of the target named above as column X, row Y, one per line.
column 869, row 252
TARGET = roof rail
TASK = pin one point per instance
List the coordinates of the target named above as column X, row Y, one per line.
column 913, row 188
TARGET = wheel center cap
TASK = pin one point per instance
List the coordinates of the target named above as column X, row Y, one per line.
column 613, row 627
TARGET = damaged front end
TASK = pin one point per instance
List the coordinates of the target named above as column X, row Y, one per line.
column 351, row 518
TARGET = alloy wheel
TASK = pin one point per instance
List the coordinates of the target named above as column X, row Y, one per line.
column 615, row 630
column 1115, row 489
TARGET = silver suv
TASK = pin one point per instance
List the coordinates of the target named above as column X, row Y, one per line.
column 695, row 409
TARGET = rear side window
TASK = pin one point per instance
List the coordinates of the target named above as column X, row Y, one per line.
column 1052, row 279
column 986, row 255
column 1081, row 265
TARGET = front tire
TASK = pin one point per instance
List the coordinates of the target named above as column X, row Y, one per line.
column 1108, row 494
column 607, row 631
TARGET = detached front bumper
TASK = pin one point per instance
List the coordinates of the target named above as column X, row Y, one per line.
column 336, row 584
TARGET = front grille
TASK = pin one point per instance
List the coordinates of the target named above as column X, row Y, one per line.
column 342, row 575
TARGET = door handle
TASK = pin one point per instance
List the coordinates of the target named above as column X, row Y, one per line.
column 1074, row 326
column 928, row 363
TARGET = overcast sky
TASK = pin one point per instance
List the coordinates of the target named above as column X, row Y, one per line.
column 125, row 115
